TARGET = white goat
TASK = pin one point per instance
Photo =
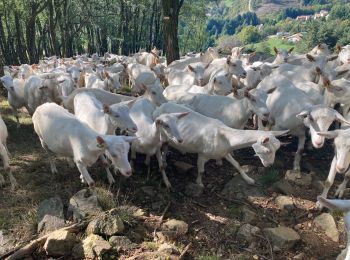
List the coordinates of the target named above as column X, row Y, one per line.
column 4, row 155
column 151, row 133
column 65, row 135
column 211, row 139
column 15, row 94
column 192, row 75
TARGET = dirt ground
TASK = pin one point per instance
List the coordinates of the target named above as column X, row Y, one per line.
column 209, row 216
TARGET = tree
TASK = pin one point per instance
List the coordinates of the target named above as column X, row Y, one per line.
column 249, row 34
column 171, row 10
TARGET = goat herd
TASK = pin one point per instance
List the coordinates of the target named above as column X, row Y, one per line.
column 203, row 109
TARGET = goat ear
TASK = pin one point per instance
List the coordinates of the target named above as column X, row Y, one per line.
column 275, row 50
column 342, row 72
column 271, row 90
column 332, row 58
column 310, row 57
column 144, row 87
column 181, row 115
column 190, row 68
column 329, row 134
column 207, row 66
column 131, row 103
column 338, row 117
column 303, row 114
column 338, row 48
column 290, row 50
column 43, row 87
column 265, row 140
column 100, row 142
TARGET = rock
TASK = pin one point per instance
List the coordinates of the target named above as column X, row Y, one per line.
column 50, row 215
column 131, row 211
column 283, row 187
column 183, row 167
column 285, row 203
column 248, row 215
column 193, row 190
column 168, row 249
column 148, row 190
column 83, row 204
column 179, row 226
column 326, row 222
column 298, row 178
column 107, row 224
column 6, row 242
column 300, row 256
column 59, row 243
column 237, row 188
column 247, row 233
column 95, row 246
column 121, row 243
column 282, row 237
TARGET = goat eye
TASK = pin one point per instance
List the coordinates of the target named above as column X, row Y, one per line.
column 166, row 126
column 116, row 115
column 154, row 93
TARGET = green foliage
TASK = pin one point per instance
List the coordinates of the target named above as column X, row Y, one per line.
column 270, row 177
column 249, row 34
column 235, row 210
column 209, row 257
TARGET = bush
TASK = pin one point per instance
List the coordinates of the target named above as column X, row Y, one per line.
column 249, row 34
column 225, row 43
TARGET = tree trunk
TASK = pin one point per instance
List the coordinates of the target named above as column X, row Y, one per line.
column 52, row 26
column 171, row 10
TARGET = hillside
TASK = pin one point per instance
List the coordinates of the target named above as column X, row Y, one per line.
column 263, row 7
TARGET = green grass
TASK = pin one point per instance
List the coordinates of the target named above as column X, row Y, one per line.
column 234, row 210
column 270, row 177
column 267, row 45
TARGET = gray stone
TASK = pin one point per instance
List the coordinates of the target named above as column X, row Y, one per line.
column 283, row 187
column 247, row 233
column 237, row 188
column 178, row 226
column 248, row 215
column 168, row 249
column 121, row 243
column 7, row 242
column 193, row 190
column 284, row 203
column 183, row 167
column 59, row 243
column 50, row 215
column 298, row 178
column 326, row 222
column 106, row 224
column 95, row 246
column 83, row 204
column 282, row 237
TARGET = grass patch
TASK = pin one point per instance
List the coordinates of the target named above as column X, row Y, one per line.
column 267, row 46
column 150, row 245
column 105, row 198
column 337, row 214
column 235, row 210
column 30, row 221
column 270, row 177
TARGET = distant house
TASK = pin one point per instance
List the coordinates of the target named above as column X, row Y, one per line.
column 304, row 18
column 321, row 14
column 295, row 37
column 282, row 34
